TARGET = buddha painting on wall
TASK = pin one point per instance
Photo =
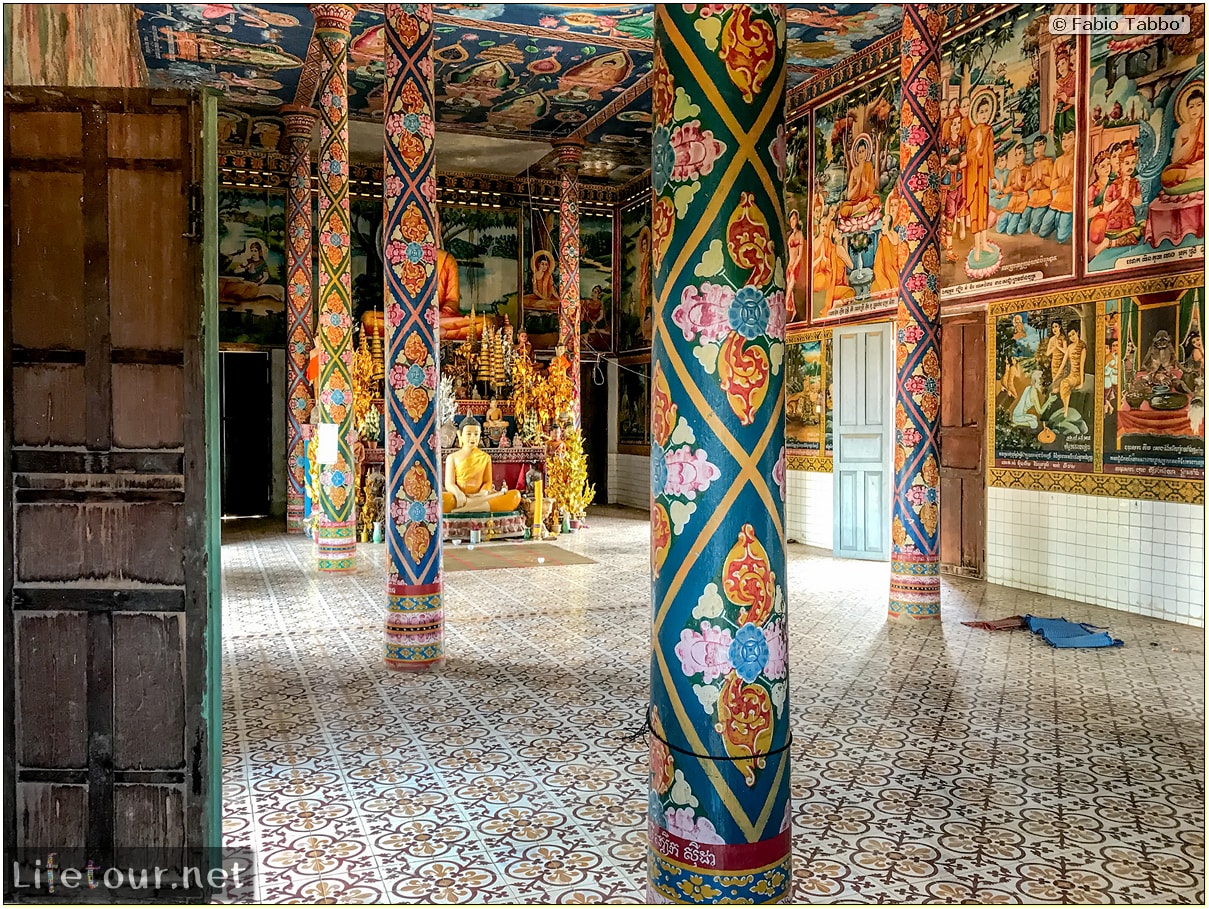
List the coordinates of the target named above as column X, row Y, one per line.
column 1008, row 154
column 484, row 244
column 852, row 210
column 1146, row 147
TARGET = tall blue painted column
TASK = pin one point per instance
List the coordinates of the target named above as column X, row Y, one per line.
column 719, row 827
column 915, row 528
column 415, row 628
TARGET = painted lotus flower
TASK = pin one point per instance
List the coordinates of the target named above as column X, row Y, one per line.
column 658, row 471
column 778, row 649
column 749, row 313
column 687, row 472
column 695, row 151
column 778, row 473
column 706, row 651
column 777, row 315
column 704, row 313
column 681, row 823
column 749, row 652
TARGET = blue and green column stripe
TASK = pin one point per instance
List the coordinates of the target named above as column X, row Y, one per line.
column 719, row 824
column 414, row 627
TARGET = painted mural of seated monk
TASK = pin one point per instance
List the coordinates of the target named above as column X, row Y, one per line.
column 544, row 297
column 862, row 198
column 454, row 325
column 468, row 483
column 1186, row 172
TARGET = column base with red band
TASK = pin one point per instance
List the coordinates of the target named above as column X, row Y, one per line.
column 685, row 871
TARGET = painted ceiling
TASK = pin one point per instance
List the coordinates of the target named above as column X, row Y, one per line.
column 518, row 70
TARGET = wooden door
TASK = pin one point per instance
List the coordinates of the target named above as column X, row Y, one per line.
column 863, row 424
column 110, row 517
column 963, row 398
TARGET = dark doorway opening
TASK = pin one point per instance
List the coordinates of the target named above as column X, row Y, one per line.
column 247, row 426
column 594, row 415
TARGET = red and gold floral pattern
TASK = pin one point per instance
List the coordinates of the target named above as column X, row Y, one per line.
column 743, row 375
column 747, row 578
column 745, row 724
column 748, row 50
column 661, row 535
column 663, row 411
column 748, row 241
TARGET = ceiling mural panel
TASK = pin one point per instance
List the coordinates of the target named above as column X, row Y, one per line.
column 633, row 21
column 254, row 54
column 820, row 35
column 538, row 71
column 528, row 85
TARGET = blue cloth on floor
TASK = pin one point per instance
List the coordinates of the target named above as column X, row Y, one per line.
column 1062, row 633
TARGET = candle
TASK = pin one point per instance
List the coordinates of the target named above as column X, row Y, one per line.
column 537, row 505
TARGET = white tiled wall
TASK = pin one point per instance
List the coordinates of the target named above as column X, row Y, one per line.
column 630, row 480
column 1137, row 556
column 629, row 475
column 809, row 508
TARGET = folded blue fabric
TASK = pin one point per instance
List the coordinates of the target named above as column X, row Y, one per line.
column 1083, row 640
column 1063, row 633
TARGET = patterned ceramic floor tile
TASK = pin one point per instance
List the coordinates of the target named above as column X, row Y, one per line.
column 937, row 764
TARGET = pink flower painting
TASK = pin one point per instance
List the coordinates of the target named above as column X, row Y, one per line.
column 689, row 472
column 706, row 651
column 695, row 151
column 704, row 313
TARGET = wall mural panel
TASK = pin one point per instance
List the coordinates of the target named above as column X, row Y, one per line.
column 1154, row 385
column 1009, row 140
column 854, row 206
column 485, row 242
column 634, row 406
column 808, row 384
column 1046, row 403
column 634, row 317
column 1100, row 391
column 797, row 201
column 539, row 304
column 1146, row 147
column 251, row 266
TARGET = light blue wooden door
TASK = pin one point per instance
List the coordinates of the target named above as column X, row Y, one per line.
column 864, row 408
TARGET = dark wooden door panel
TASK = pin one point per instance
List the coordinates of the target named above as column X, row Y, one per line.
column 962, row 444
column 107, row 514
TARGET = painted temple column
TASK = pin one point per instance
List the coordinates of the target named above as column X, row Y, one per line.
column 570, row 153
column 300, row 313
column 414, row 632
column 337, row 523
column 915, row 527
column 719, row 819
